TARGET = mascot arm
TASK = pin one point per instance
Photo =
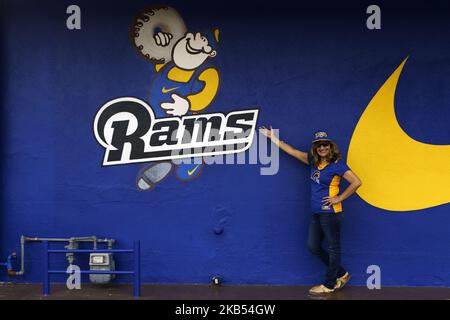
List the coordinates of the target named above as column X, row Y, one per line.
column 203, row 99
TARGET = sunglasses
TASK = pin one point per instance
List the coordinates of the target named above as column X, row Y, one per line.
column 321, row 144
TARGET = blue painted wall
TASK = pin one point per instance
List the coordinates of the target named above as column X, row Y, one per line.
column 306, row 67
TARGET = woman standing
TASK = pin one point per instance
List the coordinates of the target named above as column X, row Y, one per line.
column 327, row 168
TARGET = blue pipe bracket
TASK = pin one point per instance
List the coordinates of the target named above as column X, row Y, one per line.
column 136, row 272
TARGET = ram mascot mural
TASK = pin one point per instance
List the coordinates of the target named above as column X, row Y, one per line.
column 184, row 82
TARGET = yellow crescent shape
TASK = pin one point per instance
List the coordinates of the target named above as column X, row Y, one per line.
column 398, row 172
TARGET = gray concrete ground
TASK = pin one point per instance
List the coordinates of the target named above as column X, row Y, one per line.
column 9, row 291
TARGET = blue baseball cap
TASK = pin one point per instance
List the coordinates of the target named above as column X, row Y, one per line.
column 321, row 136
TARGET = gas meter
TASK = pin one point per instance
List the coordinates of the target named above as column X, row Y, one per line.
column 102, row 262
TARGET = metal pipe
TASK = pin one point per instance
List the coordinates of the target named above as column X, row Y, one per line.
column 24, row 239
column 91, row 272
column 80, row 239
column 87, row 250
column 13, row 273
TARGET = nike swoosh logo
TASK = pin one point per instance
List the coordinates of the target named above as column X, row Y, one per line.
column 395, row 169
column 164, row 90
column 193, row 170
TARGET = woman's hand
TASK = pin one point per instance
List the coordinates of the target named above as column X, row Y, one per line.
column 300, row 155
column 268, row 133
column 329, row 201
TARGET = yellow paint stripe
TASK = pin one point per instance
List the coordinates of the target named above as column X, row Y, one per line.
column 334, row 191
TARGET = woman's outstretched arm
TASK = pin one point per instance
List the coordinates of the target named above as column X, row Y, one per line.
column 300, row 155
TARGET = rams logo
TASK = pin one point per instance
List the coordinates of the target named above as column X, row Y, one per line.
column 316, row 176
column 321, row 134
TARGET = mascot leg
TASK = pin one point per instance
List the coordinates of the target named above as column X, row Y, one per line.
column 151, row 175
column 189, row 171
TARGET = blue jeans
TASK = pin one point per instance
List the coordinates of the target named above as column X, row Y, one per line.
column 327, row 226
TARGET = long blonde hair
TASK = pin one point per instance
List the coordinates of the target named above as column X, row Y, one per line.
column 333, row 156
